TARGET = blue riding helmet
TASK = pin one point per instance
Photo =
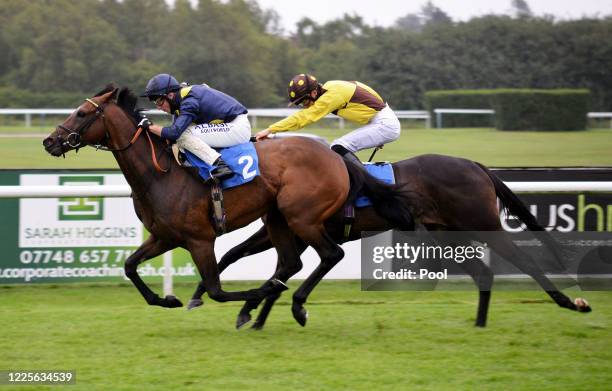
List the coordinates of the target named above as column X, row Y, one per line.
column 161, row 84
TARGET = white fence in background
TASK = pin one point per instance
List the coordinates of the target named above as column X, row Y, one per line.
column 440, row 112
column 601, row 116
column 281, row 113
column 125, row 190
column 253, row 114
column 266, row 262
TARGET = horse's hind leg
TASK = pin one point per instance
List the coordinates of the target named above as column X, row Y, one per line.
column 509, row 251
column 289, row 263
column 255, row 244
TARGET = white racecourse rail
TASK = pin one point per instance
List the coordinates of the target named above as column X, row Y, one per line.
column 265, row 263
column 279, row 113
column 253, row 114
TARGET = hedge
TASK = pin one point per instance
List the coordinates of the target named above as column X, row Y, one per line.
column 541, row 109
column 515, row 109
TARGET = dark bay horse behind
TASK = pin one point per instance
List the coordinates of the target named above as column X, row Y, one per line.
column 302, row 184
column 456, row 195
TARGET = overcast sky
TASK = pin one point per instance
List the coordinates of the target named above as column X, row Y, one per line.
column 385, row 12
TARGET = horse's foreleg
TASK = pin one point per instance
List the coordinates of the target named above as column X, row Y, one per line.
column 271, row 299
column 330, row 254
column 478, row 270
column 203, row 255
column 151, row 248
column 288, row 248
column 256, row 243
column 483, row 277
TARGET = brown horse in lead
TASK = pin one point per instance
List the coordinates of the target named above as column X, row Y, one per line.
column 302, row 184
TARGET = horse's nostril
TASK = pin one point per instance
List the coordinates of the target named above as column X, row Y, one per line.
column 47, row 142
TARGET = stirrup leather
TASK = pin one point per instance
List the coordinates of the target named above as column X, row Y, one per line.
column 349, row 218
column 219, row 217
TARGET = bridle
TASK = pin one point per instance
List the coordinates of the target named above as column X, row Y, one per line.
column 74, row 138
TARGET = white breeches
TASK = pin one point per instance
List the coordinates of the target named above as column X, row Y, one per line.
column 383, row 128
column 198, row 139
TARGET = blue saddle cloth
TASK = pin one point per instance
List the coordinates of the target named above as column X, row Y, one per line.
column 241, row 158
column 384, row 172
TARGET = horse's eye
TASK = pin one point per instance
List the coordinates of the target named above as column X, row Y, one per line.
column 80, row 114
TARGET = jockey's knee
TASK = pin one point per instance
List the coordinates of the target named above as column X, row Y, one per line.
column 394, row 134
column 390, row 131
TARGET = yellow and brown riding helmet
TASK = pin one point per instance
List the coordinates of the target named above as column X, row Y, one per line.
column 300, row 87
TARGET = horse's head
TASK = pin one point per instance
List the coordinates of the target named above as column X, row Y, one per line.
column 85, row 126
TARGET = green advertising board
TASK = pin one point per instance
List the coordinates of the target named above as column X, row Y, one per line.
column 71, row 238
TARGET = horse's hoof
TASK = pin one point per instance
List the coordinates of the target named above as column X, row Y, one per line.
column 194, row 303
column 257, row 326
column 242, row 320
column 171, row 301
column 582, row 305
column 300, row 315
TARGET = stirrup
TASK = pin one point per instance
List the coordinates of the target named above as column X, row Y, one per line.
column 221, row 171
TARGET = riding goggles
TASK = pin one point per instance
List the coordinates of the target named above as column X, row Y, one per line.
column 157, row 99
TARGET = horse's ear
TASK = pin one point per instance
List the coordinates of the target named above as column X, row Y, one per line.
column 114, row 93
column 111, row 95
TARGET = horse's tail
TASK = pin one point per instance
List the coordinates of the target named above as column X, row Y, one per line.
column 511, row 202
column 388, row 201
column 517, row 208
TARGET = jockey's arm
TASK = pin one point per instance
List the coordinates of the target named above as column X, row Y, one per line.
column 181, row 122
column 156, row 129
column 327, row 103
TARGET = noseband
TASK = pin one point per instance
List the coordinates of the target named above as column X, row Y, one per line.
column 73, row 139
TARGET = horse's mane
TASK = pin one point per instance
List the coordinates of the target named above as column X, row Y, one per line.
column 126, row 100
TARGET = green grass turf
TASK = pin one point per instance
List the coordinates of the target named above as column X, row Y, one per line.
column 488, row 146
column 353, row 340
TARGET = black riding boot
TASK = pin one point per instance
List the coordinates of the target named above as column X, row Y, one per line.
column 221, row 171
column 351, row 157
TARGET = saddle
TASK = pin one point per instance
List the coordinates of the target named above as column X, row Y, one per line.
column 241, row 158
column 383, row 171
column 243, row 161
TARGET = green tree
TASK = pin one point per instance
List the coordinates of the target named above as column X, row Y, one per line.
column 63, row 47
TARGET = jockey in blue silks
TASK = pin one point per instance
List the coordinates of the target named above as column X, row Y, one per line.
column 203, row 118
